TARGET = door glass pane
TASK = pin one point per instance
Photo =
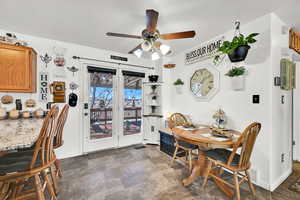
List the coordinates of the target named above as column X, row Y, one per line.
column 132, row 105
column 101, row 105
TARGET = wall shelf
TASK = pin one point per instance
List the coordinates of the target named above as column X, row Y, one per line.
column 152, row 112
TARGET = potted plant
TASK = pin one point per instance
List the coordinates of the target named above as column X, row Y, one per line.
column 178, row 84
column 237, row 49
column 237, row 77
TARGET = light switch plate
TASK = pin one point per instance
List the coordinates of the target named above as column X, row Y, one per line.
column 255, row 99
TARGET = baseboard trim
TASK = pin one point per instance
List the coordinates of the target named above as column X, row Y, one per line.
column 280, row 180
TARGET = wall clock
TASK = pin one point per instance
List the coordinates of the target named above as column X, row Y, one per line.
column 204, row 83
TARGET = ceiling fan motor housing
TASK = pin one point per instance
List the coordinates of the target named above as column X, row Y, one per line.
column 151, row 37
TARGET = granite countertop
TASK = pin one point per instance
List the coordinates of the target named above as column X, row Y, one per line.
column 19, row 133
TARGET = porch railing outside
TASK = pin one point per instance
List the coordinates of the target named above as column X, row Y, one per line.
column 105, row 114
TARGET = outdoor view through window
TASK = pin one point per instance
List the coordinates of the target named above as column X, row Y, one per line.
column 102, row 100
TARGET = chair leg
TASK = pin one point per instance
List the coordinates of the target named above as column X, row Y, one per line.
column 237, row 186
column 174, row 155
column 190, row 160
column 12, row 191
column 58, row 168
column 38, row 187
column 250, row 183
column 4, row 190
column 49, row 185
column 54, row 179
column 207, row 174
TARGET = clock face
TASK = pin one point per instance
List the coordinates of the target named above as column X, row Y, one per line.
column 202, row 82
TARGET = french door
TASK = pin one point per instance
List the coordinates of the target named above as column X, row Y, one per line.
column 113, row 97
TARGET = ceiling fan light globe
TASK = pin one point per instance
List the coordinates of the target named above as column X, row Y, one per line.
column 155, row 56
column 165, row 49
column 146, row 45
column 138, row 53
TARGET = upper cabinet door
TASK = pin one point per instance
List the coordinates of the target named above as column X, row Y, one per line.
column 17, row 69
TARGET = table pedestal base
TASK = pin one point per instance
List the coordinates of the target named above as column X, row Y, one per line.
column 200, row 169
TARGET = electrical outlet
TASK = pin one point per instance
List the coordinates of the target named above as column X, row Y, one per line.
column 282, row 158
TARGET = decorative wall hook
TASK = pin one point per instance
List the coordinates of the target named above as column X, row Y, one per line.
column 72, row 69
column 46, row 59
column 237, row 25
column 73, row 86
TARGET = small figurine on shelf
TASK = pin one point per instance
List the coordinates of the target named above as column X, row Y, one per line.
column 220, row 118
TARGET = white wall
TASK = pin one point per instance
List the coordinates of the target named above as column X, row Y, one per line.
column 237, row 104
column 73, row 135
column 281, row 113
column 263, row 64
column 296, row 113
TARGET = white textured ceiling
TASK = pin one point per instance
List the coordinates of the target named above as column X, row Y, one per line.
column 85, row 22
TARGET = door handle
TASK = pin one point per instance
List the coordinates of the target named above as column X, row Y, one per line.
column 86, row 114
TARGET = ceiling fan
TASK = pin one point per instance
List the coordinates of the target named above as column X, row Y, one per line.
column 151, row 35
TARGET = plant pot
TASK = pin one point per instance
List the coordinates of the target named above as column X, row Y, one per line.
column 153, row 78
column 238, row 82
column 179, row 88
column 239, row 54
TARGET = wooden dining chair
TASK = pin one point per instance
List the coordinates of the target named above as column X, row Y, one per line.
column 220, row 159
column 58, row 139
column 33, row 168
column 181, row 147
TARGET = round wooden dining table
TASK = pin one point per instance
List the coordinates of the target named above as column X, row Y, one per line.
column 205, row 141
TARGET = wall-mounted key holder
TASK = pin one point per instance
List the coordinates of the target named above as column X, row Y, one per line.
column 58, row 88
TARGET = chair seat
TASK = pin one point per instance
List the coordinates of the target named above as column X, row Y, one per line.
column 187, row 145
column 16, row 162
column 223, row 156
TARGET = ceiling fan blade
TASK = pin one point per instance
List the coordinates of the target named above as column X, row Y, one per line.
column 137, row 47
column 123, row 35
column 151, row 20
column 179, row 35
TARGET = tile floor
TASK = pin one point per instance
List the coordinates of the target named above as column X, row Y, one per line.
column 135, row 174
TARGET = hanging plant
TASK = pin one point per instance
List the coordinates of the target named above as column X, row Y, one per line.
column 237, row 49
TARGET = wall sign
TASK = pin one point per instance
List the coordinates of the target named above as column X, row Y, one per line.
column 205, row 51
column 43, row 86
column 118, row 58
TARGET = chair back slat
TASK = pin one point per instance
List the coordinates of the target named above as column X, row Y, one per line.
column 58, row 139
column 247, row 140
column 177, row 119
column 43, row 149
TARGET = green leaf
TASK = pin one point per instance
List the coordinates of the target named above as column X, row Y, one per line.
column 253, row 35
column 251, row 40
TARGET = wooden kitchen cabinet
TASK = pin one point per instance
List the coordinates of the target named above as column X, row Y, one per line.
column 17, row 69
